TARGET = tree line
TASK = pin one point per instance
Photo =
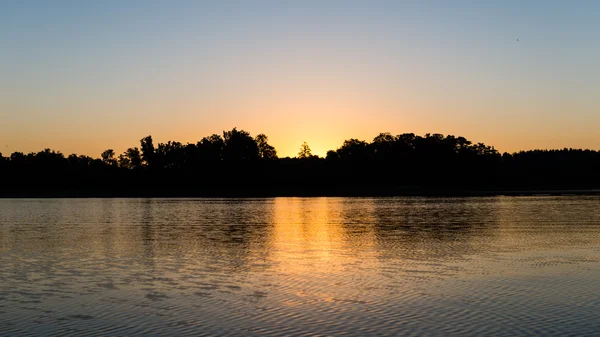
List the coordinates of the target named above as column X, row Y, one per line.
column 237, row 164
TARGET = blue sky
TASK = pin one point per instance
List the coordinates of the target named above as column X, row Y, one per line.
column 82, row 76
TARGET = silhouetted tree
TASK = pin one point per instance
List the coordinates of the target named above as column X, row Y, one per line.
column 265, row 151
column 211, row 148
column 332, row 155
column 305, row 151
column 17, row 157
column 147, row 147
column 3, row 162
column 170, row 155
column 229, row 165
column 354, row 149
column 239, row 145
column 383, row 146
column 404, row 146
column 76, row 161
column 130, row 159
column 108, row 157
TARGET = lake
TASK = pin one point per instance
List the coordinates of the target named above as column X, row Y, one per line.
column 502, row 266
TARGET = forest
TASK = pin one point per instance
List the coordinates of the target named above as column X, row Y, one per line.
column 236, row 164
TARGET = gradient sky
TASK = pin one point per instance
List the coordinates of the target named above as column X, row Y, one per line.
column 84, row 76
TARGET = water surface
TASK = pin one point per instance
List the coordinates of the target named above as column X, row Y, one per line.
column 295, row 267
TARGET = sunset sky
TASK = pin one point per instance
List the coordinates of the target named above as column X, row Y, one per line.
column 85, row 76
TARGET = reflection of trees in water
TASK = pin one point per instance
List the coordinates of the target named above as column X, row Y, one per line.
column 548, row 223
column 221, row 240
column 55, row 225
column 147, row 235
column 239, row 230
column 424, row 228
column 75, row 241
column 155, row 236
column 419, row 228
column 213, row 233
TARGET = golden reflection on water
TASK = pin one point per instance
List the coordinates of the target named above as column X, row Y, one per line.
column 285, row 265
column 313, row 228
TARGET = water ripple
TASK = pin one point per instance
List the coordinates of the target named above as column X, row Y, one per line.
column 502, row 266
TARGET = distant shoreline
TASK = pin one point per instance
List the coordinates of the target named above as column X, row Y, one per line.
column 412, row 192
column 239, row 165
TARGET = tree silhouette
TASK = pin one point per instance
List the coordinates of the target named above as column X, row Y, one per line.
column 265, row 151
column 239, row 145
column 108, row 157
column 17, row 157
column 211, row 148
column 3, row 162
column 305, row 151
column 237, row 164
column 147, row 147
column 383, row 146
column 354, row 149
column 131, row 158
column 332, row 155
column 170, row 155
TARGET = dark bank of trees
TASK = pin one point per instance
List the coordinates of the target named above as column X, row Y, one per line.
column 237, row 164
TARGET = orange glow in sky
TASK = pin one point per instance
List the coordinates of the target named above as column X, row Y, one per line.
column 82, row 78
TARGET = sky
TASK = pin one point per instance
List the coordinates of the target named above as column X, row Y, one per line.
column 84, row 76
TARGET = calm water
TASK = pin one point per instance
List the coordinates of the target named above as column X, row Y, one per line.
column 296, row 267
